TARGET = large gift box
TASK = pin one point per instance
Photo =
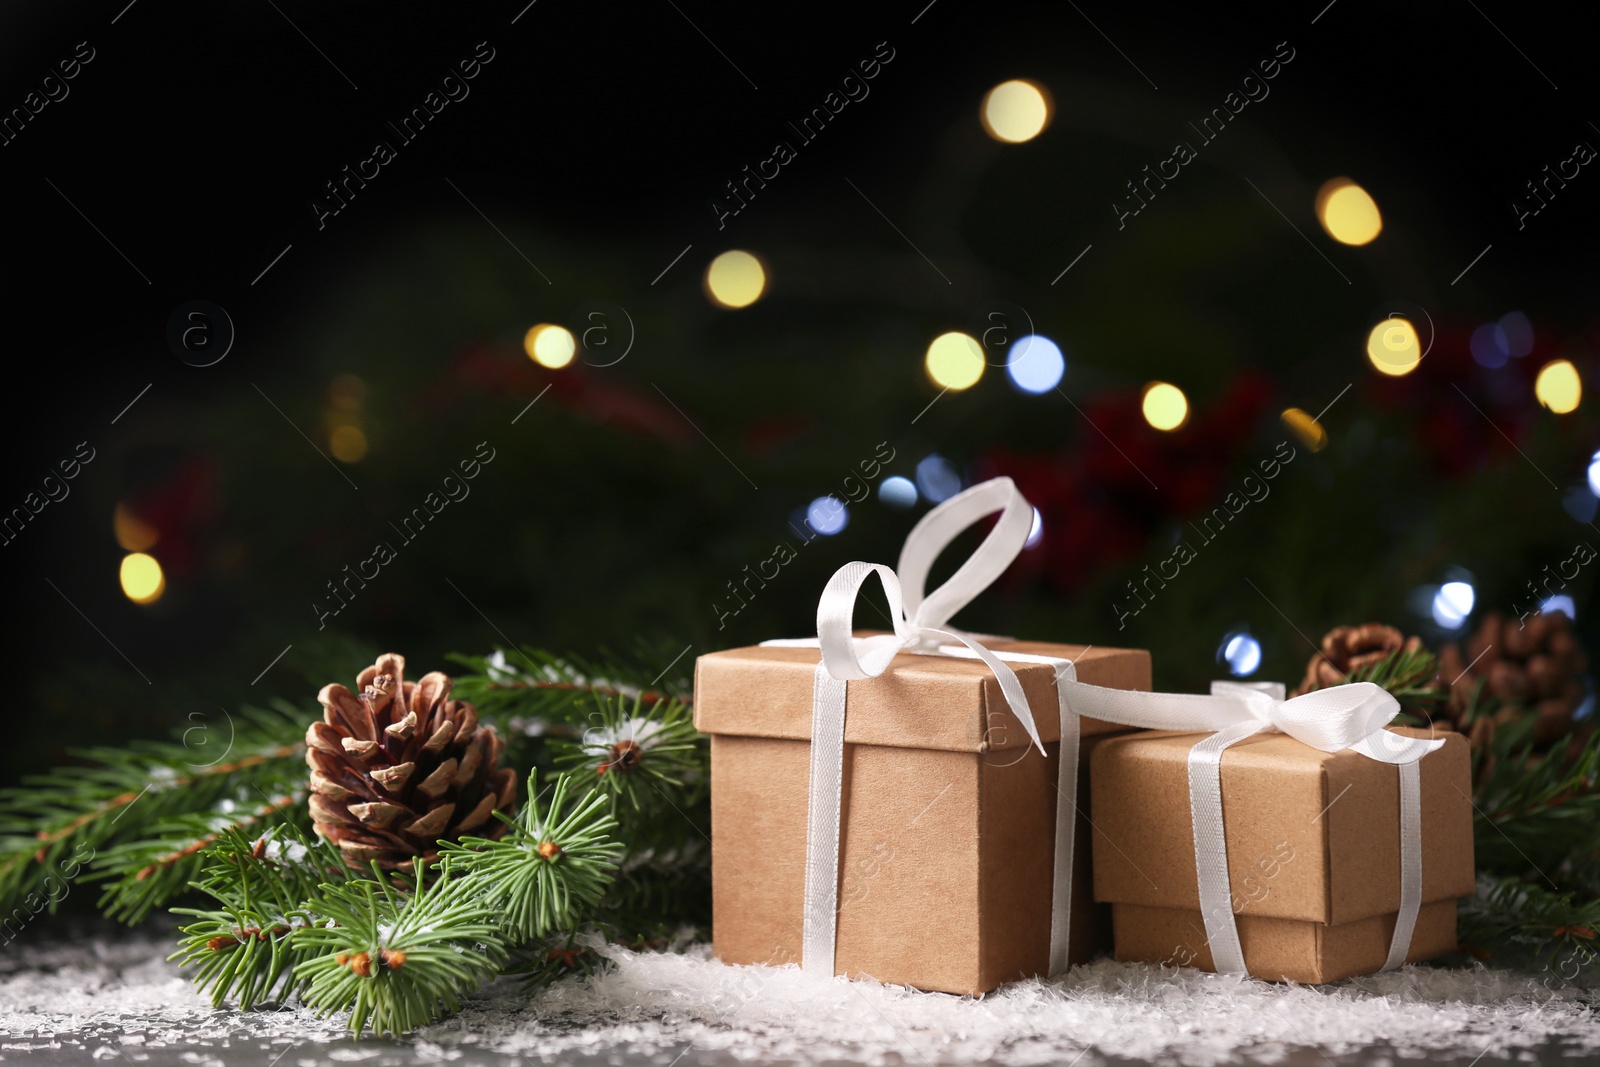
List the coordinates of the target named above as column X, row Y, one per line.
column 919, row 842
column 948, row 822
column 1325, row 860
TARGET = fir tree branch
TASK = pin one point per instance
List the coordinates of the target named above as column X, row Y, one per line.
column 658, row 790
column 1536, row 808
column 549, row 870
column 146, row 873
column 77, row 815
column 242, row 948
column 1410, row 676
column 635, row 752
column 531, row 684
column 1521, row 922
column 395, row 960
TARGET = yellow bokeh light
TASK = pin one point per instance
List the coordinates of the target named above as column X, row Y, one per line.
column 1348, row 212
column 348, row 444
column 1015, row 111
column 735, row 279
column 1306, row 428
column 1393, row 348
column 954, row 361
column 550, row 346
column 1558, row 386
column 132, row 532
column 1165, row 406
column 142, row 580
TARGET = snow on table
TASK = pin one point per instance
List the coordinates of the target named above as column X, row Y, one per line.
column 117, row 999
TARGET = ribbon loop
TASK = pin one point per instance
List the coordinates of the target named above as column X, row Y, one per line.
column 939, row 527
column 845, row 655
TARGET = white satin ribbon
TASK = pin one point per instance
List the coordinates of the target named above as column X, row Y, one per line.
column 921, row 626
column 1350, row 716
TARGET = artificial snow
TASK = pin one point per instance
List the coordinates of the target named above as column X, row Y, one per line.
column 600, row 740
column 100, row 993
column 288, row 851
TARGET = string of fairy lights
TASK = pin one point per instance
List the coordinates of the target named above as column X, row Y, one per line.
column 1012, row 113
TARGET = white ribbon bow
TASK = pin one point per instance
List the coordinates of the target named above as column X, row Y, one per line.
column 921, row 626
column 1350, row 716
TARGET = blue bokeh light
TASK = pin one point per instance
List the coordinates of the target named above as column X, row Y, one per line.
column 1561, row 602
column 1579, row 501
column 898, row 492
column 938, row 478
column 1490, row 346
column 1035, row 364
column 827, row 515
column 1452, row 604
column 1036, row 531
column 1241, row 653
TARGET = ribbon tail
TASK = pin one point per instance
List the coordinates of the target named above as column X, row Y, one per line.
column 822, row 824
column 1211, row 846
column 1010, row 687
column 1066, row 829
column 1388, row 747
column 1410, row 863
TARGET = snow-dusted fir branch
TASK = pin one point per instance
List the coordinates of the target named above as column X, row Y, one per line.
column 397, row 960
column 121, row 810
column 263, row 890
column 639, row 754
column 549, row 870
column 530, row 690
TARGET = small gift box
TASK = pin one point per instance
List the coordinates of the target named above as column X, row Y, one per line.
column 1294, row 840
column 896, row 805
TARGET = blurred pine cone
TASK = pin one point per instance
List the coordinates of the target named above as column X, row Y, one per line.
column 1532, row 666
column 1349, row 648
column 401, row 767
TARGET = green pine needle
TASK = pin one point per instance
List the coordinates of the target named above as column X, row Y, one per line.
column 242, row 948
column 1411, row 677
column 549, row 869
column 397, row 961
column 1537, row 810
column 1523, row 921
column 640, row 755
column 124, row 810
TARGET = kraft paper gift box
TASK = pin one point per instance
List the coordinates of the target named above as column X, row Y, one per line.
column 948, row 818
column 1313, row 856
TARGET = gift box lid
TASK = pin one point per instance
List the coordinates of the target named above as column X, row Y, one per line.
column 1311, row 835
column 933, row 702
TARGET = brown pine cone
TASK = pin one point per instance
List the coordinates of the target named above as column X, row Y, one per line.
column 1348, row 648
column 1533, row 666
column 401, row 767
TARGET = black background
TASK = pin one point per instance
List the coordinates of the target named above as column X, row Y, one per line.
column 199, row 134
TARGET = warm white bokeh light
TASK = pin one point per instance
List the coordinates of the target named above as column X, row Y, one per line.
column 955, row 361
column 1165, row 407
column 736, row 279
column 550, row 346
column 142, row 580
column 1348, row 212
column 1015, row 111
column 1393, row 347
column 1558, row 386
